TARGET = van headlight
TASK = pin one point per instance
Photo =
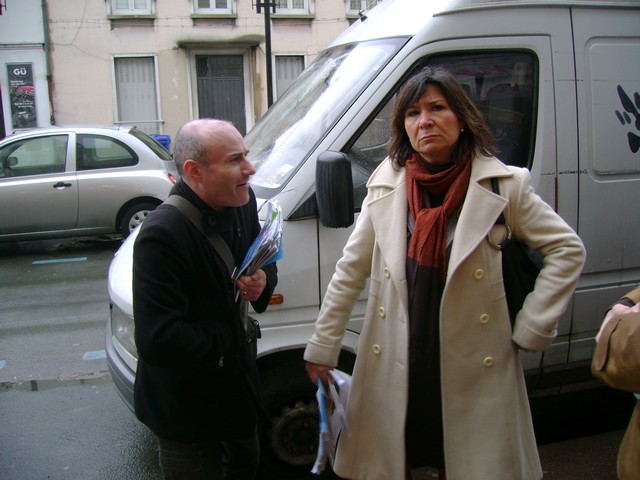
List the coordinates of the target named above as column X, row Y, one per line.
column 122, row 329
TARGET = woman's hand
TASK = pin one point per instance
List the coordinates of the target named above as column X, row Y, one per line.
column 315, row 370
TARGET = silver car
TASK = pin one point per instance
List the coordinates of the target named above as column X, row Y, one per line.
column 80, row 181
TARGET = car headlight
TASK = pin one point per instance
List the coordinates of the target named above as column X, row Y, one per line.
column 122, row 329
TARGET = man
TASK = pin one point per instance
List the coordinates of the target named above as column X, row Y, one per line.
column 196, row 383
column 620, row 348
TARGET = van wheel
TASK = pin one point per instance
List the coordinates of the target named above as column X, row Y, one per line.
column 134, row 216
column 289, row 443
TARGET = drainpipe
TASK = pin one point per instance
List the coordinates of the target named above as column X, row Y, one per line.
column 47, row 53
column 267, row 40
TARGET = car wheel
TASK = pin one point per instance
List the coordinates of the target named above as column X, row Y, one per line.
column 134, row 216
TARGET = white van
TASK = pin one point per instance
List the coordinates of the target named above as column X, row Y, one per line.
column 559, row 83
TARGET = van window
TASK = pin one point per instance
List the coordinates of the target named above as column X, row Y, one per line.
column 502, row 84
column 288, row 132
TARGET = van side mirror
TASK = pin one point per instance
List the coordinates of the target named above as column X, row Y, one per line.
column 334, row 190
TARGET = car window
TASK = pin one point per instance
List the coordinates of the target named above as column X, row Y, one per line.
column 501, row 84
column 34, row 156
column 96, row 151
column 155, row 146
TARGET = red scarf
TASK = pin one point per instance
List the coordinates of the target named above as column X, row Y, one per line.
column 428, row 242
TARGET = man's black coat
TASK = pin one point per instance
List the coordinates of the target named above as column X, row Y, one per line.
column 196, row 380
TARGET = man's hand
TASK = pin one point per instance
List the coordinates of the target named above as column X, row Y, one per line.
column 615, row 311
column 251, row 286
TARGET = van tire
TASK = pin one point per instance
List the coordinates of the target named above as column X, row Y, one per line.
column 289, row 443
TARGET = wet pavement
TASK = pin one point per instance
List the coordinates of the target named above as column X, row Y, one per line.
column 81, row 430
column 586, row 458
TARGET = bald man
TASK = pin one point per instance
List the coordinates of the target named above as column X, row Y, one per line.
column 197, row 383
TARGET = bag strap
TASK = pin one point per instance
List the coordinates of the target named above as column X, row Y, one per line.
column 496, row 189
column 499, row 221
column 191, row 212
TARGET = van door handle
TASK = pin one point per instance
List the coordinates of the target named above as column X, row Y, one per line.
column 61, row 185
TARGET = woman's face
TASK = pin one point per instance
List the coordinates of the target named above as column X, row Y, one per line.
column 432, row 127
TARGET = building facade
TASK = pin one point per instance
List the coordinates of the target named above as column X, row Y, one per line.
column 156, row 63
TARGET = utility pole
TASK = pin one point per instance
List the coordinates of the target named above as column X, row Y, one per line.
column 268, row 5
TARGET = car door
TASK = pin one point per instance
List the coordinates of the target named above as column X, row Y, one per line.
column 106, row 179
column 37, row 192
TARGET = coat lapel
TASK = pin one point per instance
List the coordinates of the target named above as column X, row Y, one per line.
column 388, row 212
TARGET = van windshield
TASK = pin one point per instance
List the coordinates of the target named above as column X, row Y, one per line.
column 285, row 136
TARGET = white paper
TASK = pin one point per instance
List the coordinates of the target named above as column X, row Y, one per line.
column 332, row 418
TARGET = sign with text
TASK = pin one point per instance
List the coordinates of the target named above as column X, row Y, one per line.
column 22, row 95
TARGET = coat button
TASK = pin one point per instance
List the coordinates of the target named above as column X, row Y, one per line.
column 387, row 272
column 382, row 312
column 488, row 362
column 478, row 274
column 484, row 318
column 376, row 349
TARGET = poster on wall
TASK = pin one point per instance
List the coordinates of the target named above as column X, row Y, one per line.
column 22, row 95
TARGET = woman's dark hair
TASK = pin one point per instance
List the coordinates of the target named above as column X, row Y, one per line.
column 476, row 137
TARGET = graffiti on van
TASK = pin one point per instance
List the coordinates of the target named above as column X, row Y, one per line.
column 630, row 109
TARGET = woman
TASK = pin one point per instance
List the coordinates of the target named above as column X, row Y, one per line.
column 437, row 351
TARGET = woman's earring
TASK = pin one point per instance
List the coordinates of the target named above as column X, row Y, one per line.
column 462, row 129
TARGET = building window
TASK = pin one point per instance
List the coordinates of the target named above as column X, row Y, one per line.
column 294, row 7
column 137, row 93
column 214, row 7
column 288, row 67
column 131, row 7
column 356, row 6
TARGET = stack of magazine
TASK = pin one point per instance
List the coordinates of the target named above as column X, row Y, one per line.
column 332, row 401
column 267, row 247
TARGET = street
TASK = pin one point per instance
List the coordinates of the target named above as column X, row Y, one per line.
column 61, row 418
column 83, row 431
column 54, row 307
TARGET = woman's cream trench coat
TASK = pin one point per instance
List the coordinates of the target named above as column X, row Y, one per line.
column 487, row 422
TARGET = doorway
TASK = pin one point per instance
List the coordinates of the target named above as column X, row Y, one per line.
column 220, row 85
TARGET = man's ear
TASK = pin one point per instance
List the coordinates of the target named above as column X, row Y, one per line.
column 192, row 169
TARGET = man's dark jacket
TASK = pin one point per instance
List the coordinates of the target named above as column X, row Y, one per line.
column 196, row 380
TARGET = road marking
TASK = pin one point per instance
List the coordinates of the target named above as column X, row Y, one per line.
column 59, row 260
column 91, row 378
column 95, row 355
column 3, row 363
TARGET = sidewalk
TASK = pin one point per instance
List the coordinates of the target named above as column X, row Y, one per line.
column 586, row 458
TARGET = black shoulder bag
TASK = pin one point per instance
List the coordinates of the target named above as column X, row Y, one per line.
column 520, row 265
